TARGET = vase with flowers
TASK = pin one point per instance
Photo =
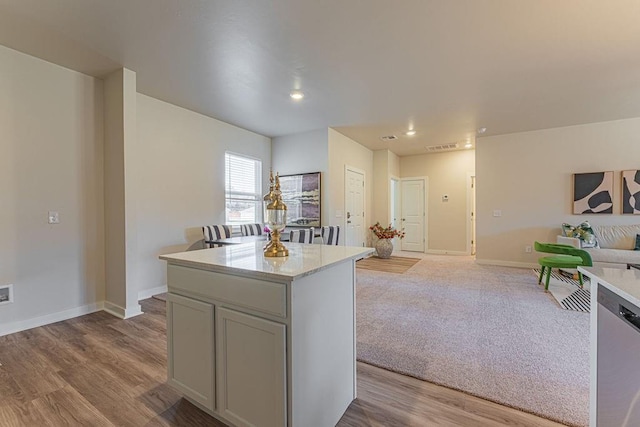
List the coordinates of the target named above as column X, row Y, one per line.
column 384, row 246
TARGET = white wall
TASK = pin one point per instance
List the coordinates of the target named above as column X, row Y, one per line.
column 528, row 176
column 385, row 166
column 344, row 151
column 51, row 145
column 301, row 153
column 181, row 179
column 447, row 172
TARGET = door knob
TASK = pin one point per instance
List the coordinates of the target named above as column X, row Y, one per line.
column 348, row 215
column 403, row 219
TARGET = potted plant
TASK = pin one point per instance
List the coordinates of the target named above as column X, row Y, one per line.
column 383, row 246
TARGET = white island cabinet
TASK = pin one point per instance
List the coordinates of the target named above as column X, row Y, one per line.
column 258, row 341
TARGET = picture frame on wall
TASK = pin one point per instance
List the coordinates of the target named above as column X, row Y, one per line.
column 593, row 193
column 631, row 192
column 301, row 194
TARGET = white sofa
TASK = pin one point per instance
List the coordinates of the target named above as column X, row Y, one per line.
column 616, row 244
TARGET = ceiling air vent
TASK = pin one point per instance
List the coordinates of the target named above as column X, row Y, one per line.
column 443, row 147
column 389, row 138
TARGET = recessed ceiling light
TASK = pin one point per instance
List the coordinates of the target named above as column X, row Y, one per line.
column 296, row 95
column 410, row 132
column 482, row 130
column 468, row 145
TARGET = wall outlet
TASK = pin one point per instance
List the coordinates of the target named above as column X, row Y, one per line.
column 497, row 213
column 527, row 249
column 6, row 294
column 54, row 218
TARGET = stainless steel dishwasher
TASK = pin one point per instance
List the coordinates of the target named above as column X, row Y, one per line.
column 618, row 382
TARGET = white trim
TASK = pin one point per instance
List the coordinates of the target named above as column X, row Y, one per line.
column 148, row 293
column 120, row 312
column 500, row 263
column 446, row 252
column 23, row 325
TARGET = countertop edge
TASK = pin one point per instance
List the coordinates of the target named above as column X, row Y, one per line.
column 262, row 275
column 613, row 288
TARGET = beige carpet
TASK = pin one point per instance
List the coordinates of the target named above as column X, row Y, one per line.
column 395, row 264
column 489, row 331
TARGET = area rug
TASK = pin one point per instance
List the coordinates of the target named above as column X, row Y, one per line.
column 488, row 331
column 567, row 292
column 394, row 264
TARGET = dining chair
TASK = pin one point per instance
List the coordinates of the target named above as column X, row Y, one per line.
column 251, row 229
column 330, row 234
column 305, row 235
column 215, row 232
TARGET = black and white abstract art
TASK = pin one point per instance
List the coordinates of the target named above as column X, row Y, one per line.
column 593, row 193
column 631, row 192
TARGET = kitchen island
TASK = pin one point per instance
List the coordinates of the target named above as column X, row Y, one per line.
column 615, row 345
column 264, row 341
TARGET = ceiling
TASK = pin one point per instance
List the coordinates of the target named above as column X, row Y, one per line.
column 368, row 68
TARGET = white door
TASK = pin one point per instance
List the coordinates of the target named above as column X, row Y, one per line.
column 354, row 206
column 413, row 214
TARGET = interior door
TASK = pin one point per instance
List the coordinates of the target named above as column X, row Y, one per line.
column 354, row 205
column 413, row 214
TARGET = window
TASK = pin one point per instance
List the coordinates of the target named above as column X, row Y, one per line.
column 243, row 185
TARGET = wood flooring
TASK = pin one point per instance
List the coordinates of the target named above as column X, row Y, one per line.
column 97, row 370
column 394, row 264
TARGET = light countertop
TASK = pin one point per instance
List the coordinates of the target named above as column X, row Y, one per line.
column 248, row 259
column 625, row 283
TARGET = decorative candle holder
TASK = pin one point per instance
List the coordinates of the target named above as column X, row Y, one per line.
column 276, row 221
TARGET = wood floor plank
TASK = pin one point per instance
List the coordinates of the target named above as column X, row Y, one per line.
column 19, row 414
column 67, row 407
column 97, row 370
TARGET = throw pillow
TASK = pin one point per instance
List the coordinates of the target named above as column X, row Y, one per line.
column 637, row 247
column 584, row 232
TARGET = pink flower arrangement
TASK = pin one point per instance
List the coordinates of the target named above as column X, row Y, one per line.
column 386, row 233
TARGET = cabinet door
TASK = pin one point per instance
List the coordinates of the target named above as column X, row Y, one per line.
column 251, row 366
column 190, row 345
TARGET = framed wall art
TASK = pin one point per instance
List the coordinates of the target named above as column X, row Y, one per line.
column 593, row 193
column 631, row 192
column 301, row 194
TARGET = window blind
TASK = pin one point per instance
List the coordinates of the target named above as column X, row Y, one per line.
column 243, row 186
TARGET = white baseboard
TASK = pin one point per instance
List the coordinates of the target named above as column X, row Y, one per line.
column 500, row 263
column 445, row 252
column 121, row 312
column 23, row 325
column 148, row 293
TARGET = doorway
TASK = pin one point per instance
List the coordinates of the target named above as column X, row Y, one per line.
column 354, row 206
column 414, row 213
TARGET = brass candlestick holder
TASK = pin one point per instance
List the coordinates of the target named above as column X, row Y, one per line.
column 276, row 221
